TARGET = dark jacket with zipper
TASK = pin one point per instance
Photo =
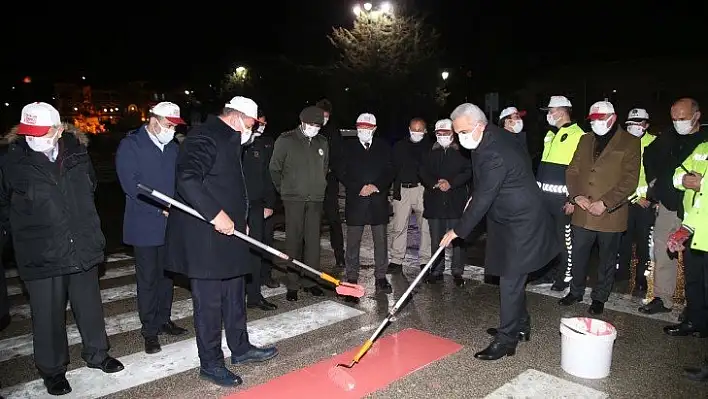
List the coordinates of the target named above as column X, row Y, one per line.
column 407, row 157
column 449, row 164
column 661, row 158
column 209, row 179
column 299, row 166
column 256, row 161
column 50, row 208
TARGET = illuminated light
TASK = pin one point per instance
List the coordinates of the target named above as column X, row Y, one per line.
column 13, row 87
column 83, row 78
column 367, row 6
column 240, row 70
column 7, row 104
column 445, row 75
column 105, row 110
column 27, row 79
column 614, row 91
column 76, row 109
column 142, row 119
column 357, row 10
column 186, row 92
column 387, row 8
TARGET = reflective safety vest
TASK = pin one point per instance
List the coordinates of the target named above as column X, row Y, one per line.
column 695, row 214
column 643, row 185
column 558, row 151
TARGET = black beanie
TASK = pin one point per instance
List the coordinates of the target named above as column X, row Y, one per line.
column 324, row 105
column 312, row 115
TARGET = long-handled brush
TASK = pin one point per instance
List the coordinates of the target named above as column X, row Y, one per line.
column 337, row 374
column 343, row 288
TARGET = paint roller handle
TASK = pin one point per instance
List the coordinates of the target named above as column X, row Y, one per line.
column 415, row 282
column 362, row 351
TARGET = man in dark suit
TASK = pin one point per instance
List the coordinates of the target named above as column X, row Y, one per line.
column 210, row 179
column 520, row 230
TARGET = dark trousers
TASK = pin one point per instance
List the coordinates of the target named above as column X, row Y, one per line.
column 696, row 286
column 513, row 315
column 256, row 225
column 302, row 226
column 267, row 259
column 155, row 289
column 608, row 243
column 334, row 221
column 4, row 300
column 639, row 226
column 559, row 268
column 48, row 306
column 354, row 234
column 438, row 228
column 216, row 301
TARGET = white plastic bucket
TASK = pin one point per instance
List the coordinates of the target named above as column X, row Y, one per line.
column 587, row 354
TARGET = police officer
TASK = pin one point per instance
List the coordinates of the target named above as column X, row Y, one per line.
column 558, row 149
column 261, row 195
column 641, row 212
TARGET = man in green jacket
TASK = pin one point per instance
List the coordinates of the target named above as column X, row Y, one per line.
column 299, row 167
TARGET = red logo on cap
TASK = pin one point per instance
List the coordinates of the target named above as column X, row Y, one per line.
column 30, row 119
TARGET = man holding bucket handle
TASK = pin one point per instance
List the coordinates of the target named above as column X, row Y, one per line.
column 521, row 235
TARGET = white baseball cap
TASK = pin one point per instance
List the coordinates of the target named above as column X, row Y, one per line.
column 510, row 111
column 558, row 101
column 600, row 109
column 638, row 113
column 443, row 124
column 245, row 105
column 366, row 120
column 37, row 118
column 169, row 111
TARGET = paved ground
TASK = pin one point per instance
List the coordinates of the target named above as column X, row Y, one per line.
column 646, row 362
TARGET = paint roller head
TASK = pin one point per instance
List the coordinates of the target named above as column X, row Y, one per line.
column 349, row 289
column 341, row 378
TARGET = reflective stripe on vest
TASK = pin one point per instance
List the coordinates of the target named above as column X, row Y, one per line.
column 553, row 188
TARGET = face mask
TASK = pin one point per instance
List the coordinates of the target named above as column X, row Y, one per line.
column 635, row 130
column 260, row 130
column 416, row 137
column 310, row 131
column 444, row 141
column 601, row 127
column 326, row 119
column 42, row 144
column 551, row 119
column 468, row 141
column 165, row 135
column 517, row 126
column 683, row 127
column 365, row 135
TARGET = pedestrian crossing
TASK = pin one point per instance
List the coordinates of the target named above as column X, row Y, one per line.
column 180, row 356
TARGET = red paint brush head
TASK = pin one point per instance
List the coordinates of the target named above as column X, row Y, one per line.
column 348, row 289
column 341, row 378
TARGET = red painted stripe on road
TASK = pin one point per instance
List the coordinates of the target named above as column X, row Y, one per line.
column 391, row 358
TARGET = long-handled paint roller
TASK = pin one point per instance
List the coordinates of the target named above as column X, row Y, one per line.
column 341, row 377
column 343, row 288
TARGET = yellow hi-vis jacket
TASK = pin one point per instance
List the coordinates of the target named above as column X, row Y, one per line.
column 695, row 213
column 558, row 151
column 643, row 185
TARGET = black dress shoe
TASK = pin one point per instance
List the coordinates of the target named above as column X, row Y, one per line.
column 109, row 365
column 314, row 290
column 655, row 306
column 152, row 345
column 524, row 335
column 596, row 307
column 394, row 267
column 383, row 286
column 255, row 355
column 262, row 305
column 57, row 385
column 697, row 373
column 496, row 350
column 559, row 286
column 569, row 299
column 270, row 283
column 170, row 328
column 459, row 281
column 291, row 296
column 434, row 279
column 685, row 329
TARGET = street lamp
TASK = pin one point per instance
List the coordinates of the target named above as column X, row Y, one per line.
column 186, row 92
column 240, row 70
column 357, row 10
column 367, row 6
column 445, row 75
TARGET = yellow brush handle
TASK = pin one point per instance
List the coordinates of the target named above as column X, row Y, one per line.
column 364, row 348
column 327, row 277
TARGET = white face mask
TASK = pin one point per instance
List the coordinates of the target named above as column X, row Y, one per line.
column 444, row 141
column 310, row 130
column 601, row 127
column 416, row 137
column 260, row 130
column 683, row 127
column 635, row 130
column 326, row 119
column 365, row 135
column 551, row 119
column 42, row 144
column 517, row 126
column 468, row 141
column 165, row 135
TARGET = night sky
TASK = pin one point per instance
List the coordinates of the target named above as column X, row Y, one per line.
column 116, row 41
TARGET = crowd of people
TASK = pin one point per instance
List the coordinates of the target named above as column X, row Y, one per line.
column 618, row 185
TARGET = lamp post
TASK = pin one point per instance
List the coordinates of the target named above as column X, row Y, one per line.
column 445, row 75
column 384, row 8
